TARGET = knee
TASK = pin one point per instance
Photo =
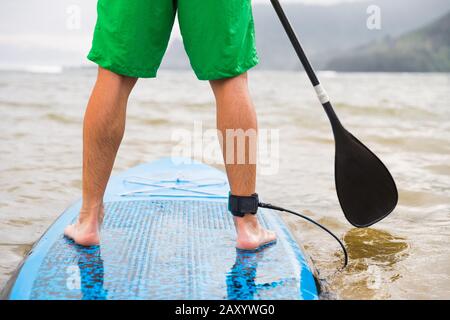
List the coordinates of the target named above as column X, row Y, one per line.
column 234, row 84
column 115, row 80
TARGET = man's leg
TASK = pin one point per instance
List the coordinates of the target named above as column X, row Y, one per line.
column 235, row 110
column 103, row 129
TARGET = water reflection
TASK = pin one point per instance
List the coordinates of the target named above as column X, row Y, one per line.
column 90, row 264
column 240, row 279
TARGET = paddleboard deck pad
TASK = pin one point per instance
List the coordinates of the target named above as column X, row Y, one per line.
column 167, row 234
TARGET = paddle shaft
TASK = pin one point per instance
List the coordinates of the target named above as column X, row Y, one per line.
column 366, row 190
column 321, row 94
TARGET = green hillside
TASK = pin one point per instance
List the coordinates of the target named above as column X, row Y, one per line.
column 423, row 50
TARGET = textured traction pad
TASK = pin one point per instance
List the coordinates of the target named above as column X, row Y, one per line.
column 165, row 249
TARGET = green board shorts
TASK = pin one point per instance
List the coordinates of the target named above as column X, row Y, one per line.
column 131, row 36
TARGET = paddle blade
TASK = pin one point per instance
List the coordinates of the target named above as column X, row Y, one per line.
column 365, row 188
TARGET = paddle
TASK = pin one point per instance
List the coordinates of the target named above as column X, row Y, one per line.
column 365, row 188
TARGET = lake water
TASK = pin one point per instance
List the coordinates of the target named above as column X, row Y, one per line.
column 403, row 118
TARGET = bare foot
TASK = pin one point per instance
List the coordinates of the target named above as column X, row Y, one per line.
column 250, row 234
column 86, row 231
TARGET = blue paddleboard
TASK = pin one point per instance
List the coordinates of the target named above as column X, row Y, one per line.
column 167, row 234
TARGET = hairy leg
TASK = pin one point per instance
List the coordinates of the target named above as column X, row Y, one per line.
column 103, row 129
column 235, row 111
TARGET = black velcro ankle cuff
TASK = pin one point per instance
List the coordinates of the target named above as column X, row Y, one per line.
column 240, row 205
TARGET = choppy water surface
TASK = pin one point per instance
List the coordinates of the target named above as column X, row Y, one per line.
column 404, row 118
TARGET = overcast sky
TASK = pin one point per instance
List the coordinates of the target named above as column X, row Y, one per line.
column 325, row 2
column 41, row 25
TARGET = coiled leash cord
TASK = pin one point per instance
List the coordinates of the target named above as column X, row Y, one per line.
column 272, row 207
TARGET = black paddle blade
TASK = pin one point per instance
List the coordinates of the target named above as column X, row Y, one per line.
column 365, row 188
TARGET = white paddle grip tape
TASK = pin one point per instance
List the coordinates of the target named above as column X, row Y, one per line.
column 321, row 94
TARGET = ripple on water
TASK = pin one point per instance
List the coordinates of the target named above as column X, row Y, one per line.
column 379, row 247
column 439, row 169
column 388, row 111
column 373, row 258
column 60, row 118
column 421, row 198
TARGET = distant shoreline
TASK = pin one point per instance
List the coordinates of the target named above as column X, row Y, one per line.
column 57, row 69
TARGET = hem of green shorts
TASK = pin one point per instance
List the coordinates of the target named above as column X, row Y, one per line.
column 129, row 72
column 240, row 69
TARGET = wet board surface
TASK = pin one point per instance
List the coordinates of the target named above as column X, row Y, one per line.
column 167, row 234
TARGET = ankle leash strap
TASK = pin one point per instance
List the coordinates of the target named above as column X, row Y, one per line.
column 241, row 205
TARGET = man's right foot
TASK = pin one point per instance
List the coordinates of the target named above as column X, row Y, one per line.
column 86, row 231
column 250, row 234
